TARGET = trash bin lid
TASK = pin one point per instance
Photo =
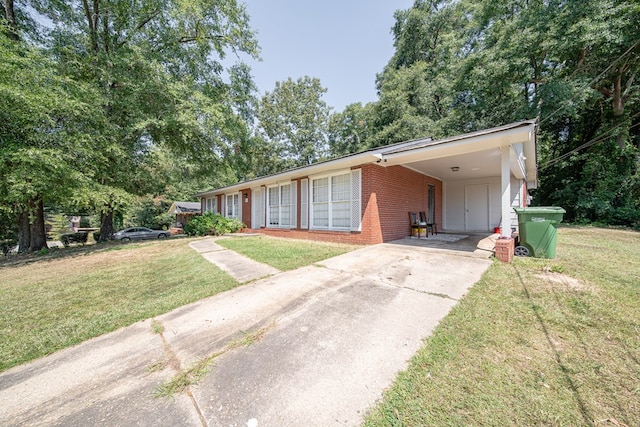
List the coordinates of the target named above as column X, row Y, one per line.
column 541, row 210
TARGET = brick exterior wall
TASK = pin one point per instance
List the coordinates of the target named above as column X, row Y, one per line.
column 388, row 194
column 246, row 206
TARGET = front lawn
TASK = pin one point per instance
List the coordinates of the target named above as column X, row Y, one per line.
column 535, row 342
column 284, row 254
column 75, row 294
column 70, row 295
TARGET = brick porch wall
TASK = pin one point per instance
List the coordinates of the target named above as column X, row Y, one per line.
column 389, row 194
column 246, row 207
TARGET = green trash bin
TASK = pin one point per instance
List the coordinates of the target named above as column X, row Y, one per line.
column 538, row 231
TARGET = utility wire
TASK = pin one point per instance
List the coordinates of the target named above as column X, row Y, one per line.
column 589, row 143
column 598, row 77
column 601, row 136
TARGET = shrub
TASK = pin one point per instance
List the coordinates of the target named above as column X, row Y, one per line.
column 212, row 224
column 69, row 238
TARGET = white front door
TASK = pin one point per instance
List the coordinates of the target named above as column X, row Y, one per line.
column 476, row 205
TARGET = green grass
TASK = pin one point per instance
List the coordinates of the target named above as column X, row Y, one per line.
column 284, row 254
column 55, row 301
column 535, row 342
column 66, row 296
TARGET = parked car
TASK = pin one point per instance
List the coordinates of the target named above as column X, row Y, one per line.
column 140, row 233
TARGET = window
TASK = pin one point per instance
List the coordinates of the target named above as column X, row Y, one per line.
column 273, row 216
column 320, row 203
column 335, row 201
column 233, row 208
column 281, row 205
column 211, row 204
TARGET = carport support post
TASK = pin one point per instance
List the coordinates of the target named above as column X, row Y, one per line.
column 505, row 222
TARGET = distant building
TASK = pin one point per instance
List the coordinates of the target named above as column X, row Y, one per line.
column 183, row 211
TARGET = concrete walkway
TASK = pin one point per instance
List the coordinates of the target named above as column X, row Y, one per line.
column 315, row 346
column 240, row 267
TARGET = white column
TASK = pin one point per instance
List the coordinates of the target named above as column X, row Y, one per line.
column 505, row 223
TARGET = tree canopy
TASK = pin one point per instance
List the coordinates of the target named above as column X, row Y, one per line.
column 150, row 79
column 466, row 65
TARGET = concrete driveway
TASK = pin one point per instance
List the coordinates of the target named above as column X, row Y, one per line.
column 315, row 346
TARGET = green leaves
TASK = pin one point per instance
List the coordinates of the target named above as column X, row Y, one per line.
column 467, row 65
column 295, row 119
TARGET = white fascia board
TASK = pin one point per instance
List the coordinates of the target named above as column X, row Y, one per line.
column 462, row 145
column 346, row 162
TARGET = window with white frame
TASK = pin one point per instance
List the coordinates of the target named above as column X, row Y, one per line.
column 273, row 203
column 334, row 203
column 320, row 202
column 280, row 205
column 232, row 206
column 211, row 204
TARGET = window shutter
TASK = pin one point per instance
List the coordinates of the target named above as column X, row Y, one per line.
column 304, row 203
column 255, row 207
column 263, row 204
column 356, row 199
column 294, row 204
column 238, row 199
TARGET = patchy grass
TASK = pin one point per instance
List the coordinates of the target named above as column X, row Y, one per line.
column 52, row 302
column 284, row 254
column 194, row 374
column 535, row 342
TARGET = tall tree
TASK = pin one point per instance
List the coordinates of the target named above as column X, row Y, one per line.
column 44, row 137
column 155, row 67
column 295, row 119
column 466, row 65
column 350, row 131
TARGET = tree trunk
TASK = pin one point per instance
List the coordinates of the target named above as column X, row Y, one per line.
column 617, row 104
column 38, row 232
column 24, row 231
column 106, row 225
column 12, row 27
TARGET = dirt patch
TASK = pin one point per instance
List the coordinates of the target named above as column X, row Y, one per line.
column 560, row 281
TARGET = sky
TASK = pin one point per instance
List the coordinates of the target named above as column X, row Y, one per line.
column 344, row 43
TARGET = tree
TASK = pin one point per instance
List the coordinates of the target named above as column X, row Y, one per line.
column 350, row 131
column 44, row 137
column 295, row 119
column 461, row 66
column 153, row 65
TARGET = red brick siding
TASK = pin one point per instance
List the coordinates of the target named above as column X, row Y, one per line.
column 246, row 207
column 389, row 194
column 355, row 238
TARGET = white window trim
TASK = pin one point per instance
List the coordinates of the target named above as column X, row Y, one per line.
column 235, row 205
column 355, row 222
column 304, row 203
column 291, row 207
